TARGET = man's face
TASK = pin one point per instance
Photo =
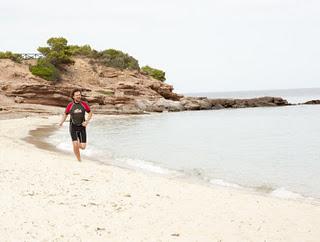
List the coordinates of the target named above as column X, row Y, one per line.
column 77, row 96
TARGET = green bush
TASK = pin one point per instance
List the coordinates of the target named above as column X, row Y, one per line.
column 84, row 50
column 45, row 70
column 12, row 56
column 58, row 52
column 155, row 73
column 117, row 59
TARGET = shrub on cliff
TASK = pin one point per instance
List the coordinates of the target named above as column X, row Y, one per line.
column 117, row 59
column 58, row 52
column 84, row 50
column 12, row 56
column 155, row 73
column 55, row 55
column 45, row 70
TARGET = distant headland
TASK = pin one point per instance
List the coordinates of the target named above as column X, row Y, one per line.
column 112, row 82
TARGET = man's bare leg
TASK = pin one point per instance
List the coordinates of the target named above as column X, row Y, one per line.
column 76, row 149
column 82, row 146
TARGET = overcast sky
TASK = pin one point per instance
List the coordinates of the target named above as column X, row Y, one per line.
column 203, row 45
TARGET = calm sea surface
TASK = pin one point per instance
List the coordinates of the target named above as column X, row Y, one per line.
column 274, row 150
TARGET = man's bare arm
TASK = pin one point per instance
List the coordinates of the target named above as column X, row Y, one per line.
column 89, row 116
column 85, row 123
column 64, row 117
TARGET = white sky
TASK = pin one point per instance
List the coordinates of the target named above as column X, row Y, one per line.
column 203, row 45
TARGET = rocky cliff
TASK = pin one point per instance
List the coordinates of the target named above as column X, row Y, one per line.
column 108, row 90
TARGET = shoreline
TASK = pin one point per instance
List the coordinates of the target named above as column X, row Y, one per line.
column 37, row 138
column 44, row 192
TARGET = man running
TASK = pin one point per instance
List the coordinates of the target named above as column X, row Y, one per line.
column 78, row 124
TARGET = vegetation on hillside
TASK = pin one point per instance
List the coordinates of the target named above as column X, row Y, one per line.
column 117, row 59
column 55, row 55
column 155, row 73
column 45, row 70
column 12, row 56
column 84, row 50
column 58, row 53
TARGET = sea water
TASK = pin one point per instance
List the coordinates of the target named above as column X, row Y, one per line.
column 269, row 149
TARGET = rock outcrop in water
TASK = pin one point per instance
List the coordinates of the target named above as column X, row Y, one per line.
column 108, row 90
column 312, row 102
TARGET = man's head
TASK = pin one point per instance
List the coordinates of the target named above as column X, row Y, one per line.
column 76, row 95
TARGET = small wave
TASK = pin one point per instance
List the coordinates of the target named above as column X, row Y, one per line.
column 90, row 152
column 144, row 165
column 221, row 182
column 105, row 156
column 64, row 146
column 284, row 193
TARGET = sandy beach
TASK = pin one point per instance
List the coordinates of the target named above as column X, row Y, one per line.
column 49, row 196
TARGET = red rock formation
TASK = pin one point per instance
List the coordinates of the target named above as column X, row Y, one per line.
column 108, row 90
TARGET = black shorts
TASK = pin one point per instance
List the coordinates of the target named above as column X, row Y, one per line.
column 78, row 132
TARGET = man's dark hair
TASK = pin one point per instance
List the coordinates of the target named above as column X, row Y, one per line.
column 74, row 91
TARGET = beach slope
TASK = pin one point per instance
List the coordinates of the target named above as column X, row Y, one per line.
column 49, row 196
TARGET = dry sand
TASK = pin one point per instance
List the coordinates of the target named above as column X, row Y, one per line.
column 49, row 196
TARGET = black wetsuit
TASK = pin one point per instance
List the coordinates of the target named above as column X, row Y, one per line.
column 77, row 117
